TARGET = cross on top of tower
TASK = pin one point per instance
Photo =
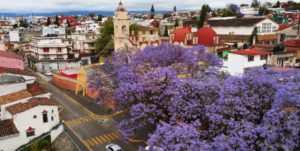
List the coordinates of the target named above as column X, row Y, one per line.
column 121, row 7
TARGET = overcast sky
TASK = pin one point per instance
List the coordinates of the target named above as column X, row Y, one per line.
column 107, row 5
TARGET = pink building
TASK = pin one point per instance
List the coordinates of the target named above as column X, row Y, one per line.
column 11, row 60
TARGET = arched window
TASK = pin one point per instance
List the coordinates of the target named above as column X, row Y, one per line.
column 124, row 30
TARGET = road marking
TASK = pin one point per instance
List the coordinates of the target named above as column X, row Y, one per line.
column 81, row 120
column 101, row 139
column 104, row 140
column 107, row 137
column 95, row 141
column 77, row 135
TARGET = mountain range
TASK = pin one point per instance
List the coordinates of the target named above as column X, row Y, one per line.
column 72, row 13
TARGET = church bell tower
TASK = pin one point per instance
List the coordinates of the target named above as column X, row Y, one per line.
column 121, row 28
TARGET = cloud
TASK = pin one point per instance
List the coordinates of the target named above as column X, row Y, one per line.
column 108, row 5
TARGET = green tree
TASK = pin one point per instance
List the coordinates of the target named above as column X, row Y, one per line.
column 225, row 12
column 100, row 17
column 253, row 36
column 152, row 11
column 105, row 37
column 166, row 34
column 263, row 11
column 68, row 23
column 56, row 22
column 48, row 21
column 134, row 28
column 203, row 15
column 92, row 15
column 277, row 5
column 255, row 3
column 23, row 23
column 176, row 23
column 15, row 26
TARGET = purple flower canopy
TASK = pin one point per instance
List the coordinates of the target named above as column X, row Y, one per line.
column 177, row 103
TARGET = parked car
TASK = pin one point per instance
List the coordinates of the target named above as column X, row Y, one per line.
column 48, row 73
column 154, row 148
column 113, row 147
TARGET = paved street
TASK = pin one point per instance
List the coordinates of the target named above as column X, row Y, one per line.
column 94, row 132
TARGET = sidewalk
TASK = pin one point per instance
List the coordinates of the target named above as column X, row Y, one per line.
column 96, row 108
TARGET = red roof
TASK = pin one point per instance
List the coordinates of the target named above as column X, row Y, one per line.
column 180, row 33
column 206, row 36
column 251, row 52
column 283, row 26
column 292, row 43
column 35, row 89
column 7, row 54
column 264, row 45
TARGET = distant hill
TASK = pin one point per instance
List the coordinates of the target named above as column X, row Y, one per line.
column 70, row 13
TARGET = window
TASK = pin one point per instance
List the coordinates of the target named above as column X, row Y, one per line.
column 52, row 118
column 34, row 116
column 58, row 49
column 151, row 32
column 250, row 58
column 274, row 28
column 124, row 30
column 231, row 33
column 60, row 56
column 30, row 132
column 220, row 54
column 46, row 49
column 263, row 57
column 258, row 29
column 45, row 116
column 46, row 56
column 266, row 28
column 216, row 40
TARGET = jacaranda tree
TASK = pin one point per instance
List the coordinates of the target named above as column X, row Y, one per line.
column 179, row 99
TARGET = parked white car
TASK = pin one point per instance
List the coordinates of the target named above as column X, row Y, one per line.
column 113, row 147
column 48, row 73
column 154, row 148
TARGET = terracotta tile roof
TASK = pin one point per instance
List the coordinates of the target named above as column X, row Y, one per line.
column 180, row 33
column 206, row 36
column 251, row 52
column 236, row 22
column 21, row 107
column 35, row 89
column 7, row 54
column 264, row 45
column 7, row 127
column 292, row 43
column 14, row 97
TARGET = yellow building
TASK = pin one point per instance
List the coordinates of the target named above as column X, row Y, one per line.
column 144, row 36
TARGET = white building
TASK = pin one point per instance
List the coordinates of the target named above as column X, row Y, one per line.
column 48, row 53
column 240, row 60
column 26, row 121
column 60, row 31
column 288, row 33
column 14, row 36
column 26, row 113
column 239, row 30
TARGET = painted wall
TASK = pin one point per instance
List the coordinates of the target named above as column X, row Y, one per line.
column 37, row 123
column 14, row 36
column 11, row 63
column 11, row 88
column 245, row 30
column 236, row 64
